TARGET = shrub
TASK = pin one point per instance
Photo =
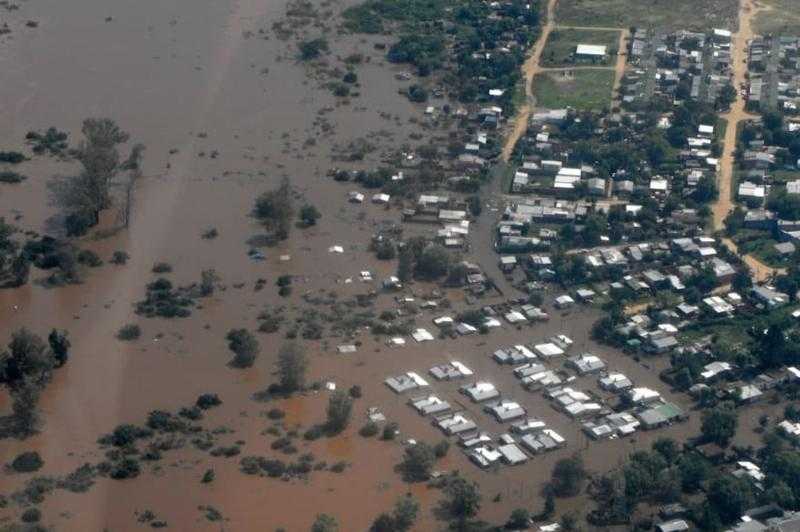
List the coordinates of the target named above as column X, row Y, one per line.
column 389, row 431
column 78, row 224
column 119, row 257
column 27, row 462
column 355, row 391
column 350, row 77
column 312, row 49
column 244, row 346
column 126, row 468
column 208, row 400
column 129, row 332
column 441, row 448
column 276, row 413
column 89, row 258
column 11, row 157
column 284, row 291
column 7, row 176
column 31, row 515
column 417, row 93
column 162, row 267
column 369, row 430
column 314, row 433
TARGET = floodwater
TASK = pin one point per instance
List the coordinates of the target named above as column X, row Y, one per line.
column 188, row 78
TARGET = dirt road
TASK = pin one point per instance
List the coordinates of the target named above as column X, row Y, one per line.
column 530, row 68
column 737, row 114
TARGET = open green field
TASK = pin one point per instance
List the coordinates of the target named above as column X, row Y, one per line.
column 581, row 89
column 781, row 18
column 783, row 176
column 561, row 45
column 662, row 14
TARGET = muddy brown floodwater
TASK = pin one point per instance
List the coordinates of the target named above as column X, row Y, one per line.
column 187, row 78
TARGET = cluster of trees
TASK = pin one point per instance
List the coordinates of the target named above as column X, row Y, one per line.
column 419, row 258
column 434, row 34
column 26, row 367
column 85, row 195
column 244, row 346
column 401, row 519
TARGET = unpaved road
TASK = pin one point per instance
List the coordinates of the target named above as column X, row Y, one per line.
column 737, row 114
column 532, row 66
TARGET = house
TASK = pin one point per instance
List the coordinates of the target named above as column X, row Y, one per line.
column 514, row 355
column 769, row 296
column 528, row 426
column 450, row 371
column 714, row 369
column 455, row 424
column 512, row 455
column 675, row 525
column 751, row 191
column 508, row 263
column 481, row 391
column 590, row 51
column 406, row 382
column 615, row 382
column 586, row 363
column 563, row 301
column 660, row 415
column 642, row 396
column 484, row 456
column 421, row 335
column 429, row 405
column 546, row 440
column 507, row 410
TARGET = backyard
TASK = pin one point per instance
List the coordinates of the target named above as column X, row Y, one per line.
column 780, row 17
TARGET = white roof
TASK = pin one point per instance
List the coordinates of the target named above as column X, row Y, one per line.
column 548, row 350
column 591, row 49
column 421, row 335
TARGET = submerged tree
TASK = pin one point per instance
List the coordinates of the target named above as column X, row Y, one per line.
column 274, row 210
column 245, row 347
column 292, row 365
column 85, row 195
column 340, row 406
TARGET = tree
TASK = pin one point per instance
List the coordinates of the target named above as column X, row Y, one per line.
column 433, row 263
column 89, row 192
column 245, row 347
column 418, row 462
column 24, row 398
column 568, row 477
column 694, row 471
column 405, row 264
column 325, row 523
column 340, row 406
column 292, row 365
column 274, row 210
column 313, row 48
column 208, row 282
column 27, row 359
column 726, row 96
column 706, row 189
column 401, row 520
column 519, row 520
column 719, row 426
column 463, row 498
column 59, row 345
column 730, row 497
column 309, row 215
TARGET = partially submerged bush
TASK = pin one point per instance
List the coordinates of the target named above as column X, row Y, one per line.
column 119, row 257
column 129, row 332
column 208, row 400
column 27, row 462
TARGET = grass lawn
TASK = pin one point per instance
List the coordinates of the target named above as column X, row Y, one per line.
column 783, row 18
column 661, row 14
column 783, row 176
column 581, row 89
column 562, row 42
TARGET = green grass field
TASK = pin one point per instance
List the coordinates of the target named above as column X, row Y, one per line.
column 583, row 89
column 761, row 245
column 661, row 14
column 782, row 18
column 562, row 42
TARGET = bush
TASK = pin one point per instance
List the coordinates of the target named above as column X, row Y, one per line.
column 441, row 448
column 244, row 346
column 11, row 157
column 355, row 391
column 389, row 431
column 162, row 267
column 87, row 257
column 78, row 224
column 276, row 413
column 417, row 93
column 126, row 468
column 31, row 515
column 129, row 332
column 350, row 77
column 119, row 257
column 27, row 462
column 7, row 176
column 369, row 430
column 208, row 400
column 314, row 433
column 312, row 49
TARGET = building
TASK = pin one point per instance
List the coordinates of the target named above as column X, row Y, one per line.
column 586, row 363
column 507, row 410
column 481, row 391
column 590, row 52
